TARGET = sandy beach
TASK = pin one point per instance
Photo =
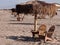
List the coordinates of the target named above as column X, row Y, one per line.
column 13, row 32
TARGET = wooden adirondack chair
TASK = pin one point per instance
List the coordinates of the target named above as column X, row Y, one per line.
column 49, row 34
column 40, row 33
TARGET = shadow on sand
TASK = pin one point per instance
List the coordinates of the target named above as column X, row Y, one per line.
column 13, row 20
column 22, row 23
column 22, row 38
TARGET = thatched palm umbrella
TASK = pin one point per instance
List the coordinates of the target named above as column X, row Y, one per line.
column 40, row 7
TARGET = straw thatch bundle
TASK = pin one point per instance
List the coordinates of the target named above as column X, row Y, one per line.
column 37, row 7
column 45, row 8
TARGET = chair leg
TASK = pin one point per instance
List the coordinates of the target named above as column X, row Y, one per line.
column 48, row 39
column 45, row 39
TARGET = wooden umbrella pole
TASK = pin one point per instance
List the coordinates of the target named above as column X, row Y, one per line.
column 35, row 22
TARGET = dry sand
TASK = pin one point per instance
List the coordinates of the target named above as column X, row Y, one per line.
column 13, row 32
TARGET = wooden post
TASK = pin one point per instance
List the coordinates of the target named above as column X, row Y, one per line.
column 35, row 22
column 35, row 32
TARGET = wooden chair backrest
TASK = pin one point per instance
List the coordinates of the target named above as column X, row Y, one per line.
column 42, row 29
column 51, row 31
